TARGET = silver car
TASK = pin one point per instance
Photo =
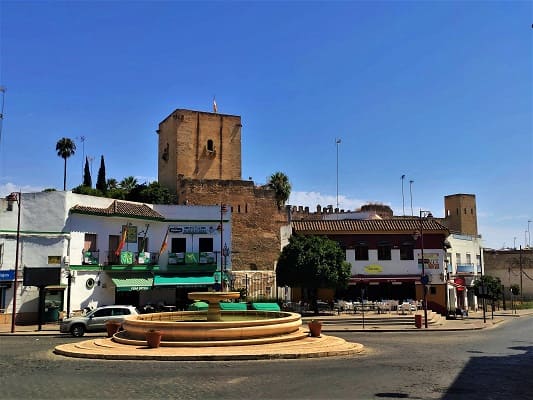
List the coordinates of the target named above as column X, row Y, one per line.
column 94, row 321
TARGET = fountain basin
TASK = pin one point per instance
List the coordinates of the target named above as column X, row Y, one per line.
column 193, row 325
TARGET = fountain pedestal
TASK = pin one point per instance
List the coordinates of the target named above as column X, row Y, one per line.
column 213, row 299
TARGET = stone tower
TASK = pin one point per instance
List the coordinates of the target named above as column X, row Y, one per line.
column 199, row 145
column 200, row 161
column 461, row 214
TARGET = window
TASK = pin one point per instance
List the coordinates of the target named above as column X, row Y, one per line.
column 90, row 242
column 361, row 251
column 142, row 244
column 1, row 255
column 457, row 258
column 205, row 245
column 210, row 147
column 121, row 311
column 104, row 312
column 407, row 251
column 384, row 251
column 468, row 258
column 178, row 245
column 432, row 290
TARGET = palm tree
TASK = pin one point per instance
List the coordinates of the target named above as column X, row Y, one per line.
column 128, row 183
column 65, row 148
column 279, row 182
column 112, row 183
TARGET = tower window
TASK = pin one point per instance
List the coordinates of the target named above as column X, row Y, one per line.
column 210, row 146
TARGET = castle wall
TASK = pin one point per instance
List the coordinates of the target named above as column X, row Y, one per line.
column 256, row 220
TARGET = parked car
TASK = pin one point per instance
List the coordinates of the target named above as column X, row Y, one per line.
column 94, row 321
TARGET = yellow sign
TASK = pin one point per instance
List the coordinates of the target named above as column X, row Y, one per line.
column 373, row 269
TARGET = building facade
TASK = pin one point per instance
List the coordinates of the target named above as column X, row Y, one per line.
column 387, row 255
column 106, row 251
column 464, row 257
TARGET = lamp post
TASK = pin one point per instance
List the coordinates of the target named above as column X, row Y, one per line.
column 18, row 198
column 337, row 142
column 424, row 279
column 225, row 253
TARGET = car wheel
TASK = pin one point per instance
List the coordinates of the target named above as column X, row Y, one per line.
column 77, row 330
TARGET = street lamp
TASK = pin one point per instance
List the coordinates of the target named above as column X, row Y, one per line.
column 18, row 198
column 424, row 279
column 225, row 253
column 337, row 142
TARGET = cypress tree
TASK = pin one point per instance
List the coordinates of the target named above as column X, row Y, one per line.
column 101, row 181
column 87, row 180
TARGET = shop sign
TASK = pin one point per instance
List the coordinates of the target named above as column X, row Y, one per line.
column 7, row 275
column 373, row 269
column 191, row 229
column 431, row 261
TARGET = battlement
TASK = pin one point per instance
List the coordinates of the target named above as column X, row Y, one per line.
column 367, row 211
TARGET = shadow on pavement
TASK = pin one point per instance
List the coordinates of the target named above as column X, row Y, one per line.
column 495, row 377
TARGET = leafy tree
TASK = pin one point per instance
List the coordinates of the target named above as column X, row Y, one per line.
column 128, row 183
column 101, row 184
column 312, row 262
column 279, row 182
column 49, row 190
column 488, row 287
column 153, row 193
column 515, row 289
column 65, row 148
column 82, row 189
column 87, row 180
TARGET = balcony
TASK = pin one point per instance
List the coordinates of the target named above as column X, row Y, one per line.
column 132, row 258
column 468, row 269
column 192, row 262
column 91, row 257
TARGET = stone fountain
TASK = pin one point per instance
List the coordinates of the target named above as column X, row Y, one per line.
column 214, row 328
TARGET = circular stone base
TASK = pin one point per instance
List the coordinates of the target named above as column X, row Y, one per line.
column 307, row 347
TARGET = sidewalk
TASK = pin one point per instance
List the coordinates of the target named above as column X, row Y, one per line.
column 337, row 323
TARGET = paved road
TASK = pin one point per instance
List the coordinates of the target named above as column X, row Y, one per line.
column 496, row 363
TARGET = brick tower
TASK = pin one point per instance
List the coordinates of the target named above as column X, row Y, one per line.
column 460, row 214
column 200, row 161
column 199, row 145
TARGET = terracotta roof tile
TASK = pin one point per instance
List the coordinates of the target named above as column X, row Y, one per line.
column 120, row 209
column 367, row 226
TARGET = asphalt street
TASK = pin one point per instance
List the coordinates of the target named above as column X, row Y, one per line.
column 495, row 363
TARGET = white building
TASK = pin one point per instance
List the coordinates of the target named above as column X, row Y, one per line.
column 107, row 251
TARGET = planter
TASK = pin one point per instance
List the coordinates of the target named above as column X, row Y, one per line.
column 315, row 328
column 153, row 339
column 112, row 327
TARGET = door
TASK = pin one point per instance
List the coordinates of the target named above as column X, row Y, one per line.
column 98, row 319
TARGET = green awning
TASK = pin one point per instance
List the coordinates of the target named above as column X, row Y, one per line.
column 130, row 282
column 180, row 280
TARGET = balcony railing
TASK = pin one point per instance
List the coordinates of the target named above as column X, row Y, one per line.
column 91, row 257
column 132, row 258
column 468, row 268
column 200, row 263
column 202, row 258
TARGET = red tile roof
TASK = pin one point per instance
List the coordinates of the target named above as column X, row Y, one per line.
column 349, row 226
column 120, row 209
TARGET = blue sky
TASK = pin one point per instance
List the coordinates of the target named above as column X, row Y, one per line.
column 438, row 91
